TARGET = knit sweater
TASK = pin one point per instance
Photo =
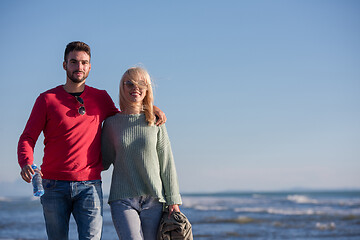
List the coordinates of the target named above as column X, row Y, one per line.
column 142, row 159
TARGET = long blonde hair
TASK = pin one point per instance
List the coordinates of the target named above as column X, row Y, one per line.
column 136, row 74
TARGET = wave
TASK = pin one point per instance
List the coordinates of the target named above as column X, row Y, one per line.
column 5, row 199
column 352, row 213
column 302, row 199
column 278, row 211
column 239, row 220
column 261, row 199
column 325, row 226
column 210, row 208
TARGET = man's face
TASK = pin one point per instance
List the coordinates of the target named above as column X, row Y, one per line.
column 77, row 66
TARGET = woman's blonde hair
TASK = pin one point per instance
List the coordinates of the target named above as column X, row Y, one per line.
column 136, row 74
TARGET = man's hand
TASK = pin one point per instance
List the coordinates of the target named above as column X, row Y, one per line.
column 27, row 172
column 160, row 115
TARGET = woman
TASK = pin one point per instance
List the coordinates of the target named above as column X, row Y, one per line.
column 144, row 176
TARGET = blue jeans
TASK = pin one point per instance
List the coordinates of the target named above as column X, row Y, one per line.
column 136, row 218
column 82, row 199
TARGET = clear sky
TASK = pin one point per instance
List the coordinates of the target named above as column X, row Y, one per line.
column 259, row 95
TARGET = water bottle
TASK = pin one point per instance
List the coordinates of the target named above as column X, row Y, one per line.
column 37, row 182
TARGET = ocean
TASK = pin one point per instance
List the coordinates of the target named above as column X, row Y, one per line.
column 255, row 215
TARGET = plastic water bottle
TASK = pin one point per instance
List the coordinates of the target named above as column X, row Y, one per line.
column 37, row 182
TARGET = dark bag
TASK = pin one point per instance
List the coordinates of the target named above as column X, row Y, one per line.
column 177, row 227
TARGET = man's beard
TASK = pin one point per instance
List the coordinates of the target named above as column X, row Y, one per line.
column 76, row 80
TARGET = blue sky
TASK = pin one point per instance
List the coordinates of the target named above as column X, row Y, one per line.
column 259, row 95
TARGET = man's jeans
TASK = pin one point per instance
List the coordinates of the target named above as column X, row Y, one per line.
column 137, row 218
column 83, row 199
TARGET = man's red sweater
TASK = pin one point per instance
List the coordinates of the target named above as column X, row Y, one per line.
column 72, row 141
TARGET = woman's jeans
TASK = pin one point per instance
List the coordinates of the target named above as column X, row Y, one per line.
column 136, row 218
column 82, row 199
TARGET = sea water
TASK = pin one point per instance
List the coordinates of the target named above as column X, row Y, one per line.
column 267, row 215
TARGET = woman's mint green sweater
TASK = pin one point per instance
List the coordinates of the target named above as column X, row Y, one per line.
column 142, row 158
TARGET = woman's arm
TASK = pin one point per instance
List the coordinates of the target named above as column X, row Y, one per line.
column 167, row 168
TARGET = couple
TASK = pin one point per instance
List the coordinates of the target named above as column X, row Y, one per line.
column 70, row 116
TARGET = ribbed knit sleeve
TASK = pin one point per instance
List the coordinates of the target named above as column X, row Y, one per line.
column 167, row 167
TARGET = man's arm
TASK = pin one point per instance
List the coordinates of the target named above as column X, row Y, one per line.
column 161, row 118
column 28, row 138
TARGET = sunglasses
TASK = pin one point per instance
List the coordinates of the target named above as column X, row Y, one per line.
column 81, row 109
column 139, row 84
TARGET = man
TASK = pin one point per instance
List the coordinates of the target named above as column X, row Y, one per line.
column 70, row 117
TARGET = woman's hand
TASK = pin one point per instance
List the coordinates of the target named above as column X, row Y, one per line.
column 173, row 208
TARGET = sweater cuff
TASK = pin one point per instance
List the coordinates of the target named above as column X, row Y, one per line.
column 174, row 199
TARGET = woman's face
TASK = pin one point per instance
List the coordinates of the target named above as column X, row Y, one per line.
column 135, row 91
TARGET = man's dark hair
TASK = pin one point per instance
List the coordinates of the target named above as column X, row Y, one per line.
column 76, row 46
